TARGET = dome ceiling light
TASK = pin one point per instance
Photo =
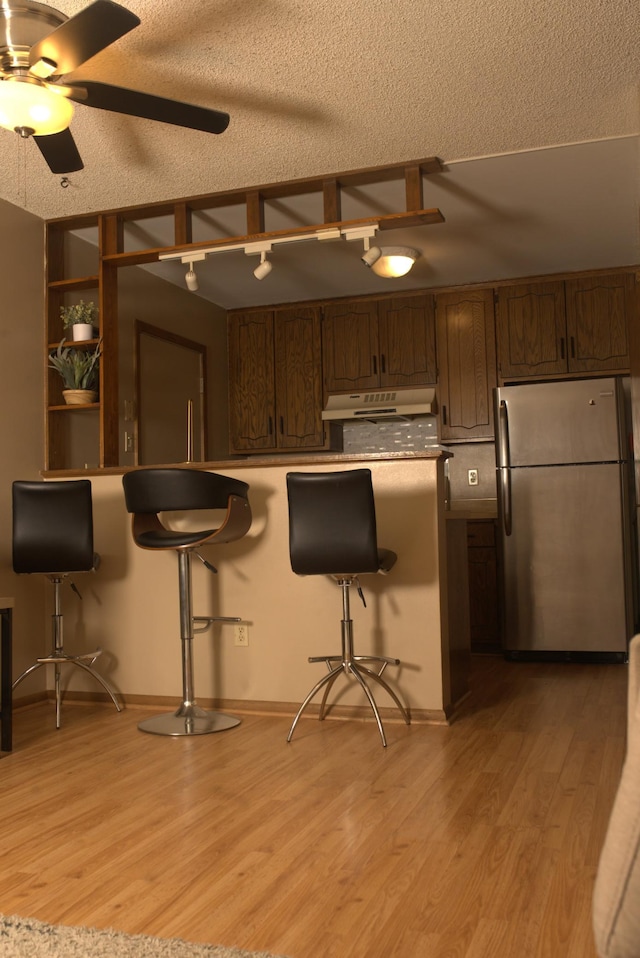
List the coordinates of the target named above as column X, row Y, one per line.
column 390, row 261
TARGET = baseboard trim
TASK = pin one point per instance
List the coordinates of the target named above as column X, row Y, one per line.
column 243, row 707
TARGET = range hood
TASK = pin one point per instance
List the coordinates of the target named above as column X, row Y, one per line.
column 374, row 406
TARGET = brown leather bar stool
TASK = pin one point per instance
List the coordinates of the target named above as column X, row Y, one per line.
column 53, row 536
column 332, row 531
column 149, row 492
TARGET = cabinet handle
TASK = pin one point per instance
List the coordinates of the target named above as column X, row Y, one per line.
column 270, row 426
column 375, row 365
column 444, row 415
column 383, row 364
column 573, row 347
column 562, row 347
column 281, row 425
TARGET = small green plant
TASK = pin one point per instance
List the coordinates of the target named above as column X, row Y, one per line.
column 79, row 313
column 77, row 367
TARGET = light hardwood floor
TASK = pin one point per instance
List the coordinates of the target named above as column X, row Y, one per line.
column 476, row 840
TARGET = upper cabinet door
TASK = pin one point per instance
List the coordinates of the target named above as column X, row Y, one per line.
column 560, row 328
column 350, row 346
column 466, row 363
column 251, row 381
column 598, row 311
column 298, row 378
column 531, row 331
column 407, row 337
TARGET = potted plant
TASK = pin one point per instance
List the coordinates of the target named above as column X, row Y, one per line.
column 80, row 318
column 78, row 369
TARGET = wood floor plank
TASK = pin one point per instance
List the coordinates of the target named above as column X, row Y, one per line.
column 477, row 839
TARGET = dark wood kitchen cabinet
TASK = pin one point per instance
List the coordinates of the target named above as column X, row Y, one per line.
column 598, row 313
column 484, row 613
column 566, row 327
column 382, row 343
column 466, row 364
column 275, row 384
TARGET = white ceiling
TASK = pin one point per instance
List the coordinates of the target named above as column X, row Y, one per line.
column 533, row 109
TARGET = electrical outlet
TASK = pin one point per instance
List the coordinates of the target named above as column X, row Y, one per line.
column 473, row 477
column 241, row 636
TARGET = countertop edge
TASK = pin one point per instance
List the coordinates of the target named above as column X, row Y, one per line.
column 256, row 461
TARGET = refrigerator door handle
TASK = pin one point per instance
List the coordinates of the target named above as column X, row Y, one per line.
column 504, row 457
column 504, row 460
column 504, row 478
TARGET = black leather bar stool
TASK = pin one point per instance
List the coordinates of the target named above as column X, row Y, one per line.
column 332, row 531
column 53, row 536
column 149, row 492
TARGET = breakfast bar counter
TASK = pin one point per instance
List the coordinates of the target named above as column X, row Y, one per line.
column 289, row 617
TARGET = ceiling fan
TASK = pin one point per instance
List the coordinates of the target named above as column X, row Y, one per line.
column 39, row 46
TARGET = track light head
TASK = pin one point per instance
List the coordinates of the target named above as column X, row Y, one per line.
column 191, row 279
column 264, row 267
column 371, row 255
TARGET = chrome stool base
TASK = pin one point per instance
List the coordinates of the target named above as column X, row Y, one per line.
column 58, row 657
column 359, row 672
column 349, row 664
column 188, row 720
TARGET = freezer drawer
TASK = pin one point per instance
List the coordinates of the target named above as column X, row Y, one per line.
column 567, row 562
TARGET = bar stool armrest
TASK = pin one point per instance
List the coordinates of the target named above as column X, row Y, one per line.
column 237, row 521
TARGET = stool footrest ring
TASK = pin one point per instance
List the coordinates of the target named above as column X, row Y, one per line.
column 208, row 621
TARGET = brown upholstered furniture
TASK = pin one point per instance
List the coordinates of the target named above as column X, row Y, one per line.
column 616, row 899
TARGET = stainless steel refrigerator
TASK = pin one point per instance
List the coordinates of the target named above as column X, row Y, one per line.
column 565, row 507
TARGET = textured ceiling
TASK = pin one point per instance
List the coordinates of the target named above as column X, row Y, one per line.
column 316, row 86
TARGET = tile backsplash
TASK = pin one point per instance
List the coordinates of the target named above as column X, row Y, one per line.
column 422, row 433
column 390, row 435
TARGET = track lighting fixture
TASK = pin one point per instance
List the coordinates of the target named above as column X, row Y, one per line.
column 191, row 279
column 363, row 231
column 264, row 267
column 190, row 276
column 262, row 247
column 275, row 239
column 371, row 254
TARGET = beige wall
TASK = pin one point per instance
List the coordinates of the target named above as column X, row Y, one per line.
column 130, row 606
column 21, row 424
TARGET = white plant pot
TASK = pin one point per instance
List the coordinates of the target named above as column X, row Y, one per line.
column 80, row 332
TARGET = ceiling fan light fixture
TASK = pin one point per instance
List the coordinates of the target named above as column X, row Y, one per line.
column 26, row 105
column 394, row 261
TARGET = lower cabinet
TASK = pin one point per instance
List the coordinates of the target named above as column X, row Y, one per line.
column 275, row 381
column 484, row 613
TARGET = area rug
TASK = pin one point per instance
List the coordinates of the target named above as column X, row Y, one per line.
column 28, row 938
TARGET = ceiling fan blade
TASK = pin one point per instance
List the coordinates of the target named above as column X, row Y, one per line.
column 60, row 152
column 133, row 103
column 80, row 37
